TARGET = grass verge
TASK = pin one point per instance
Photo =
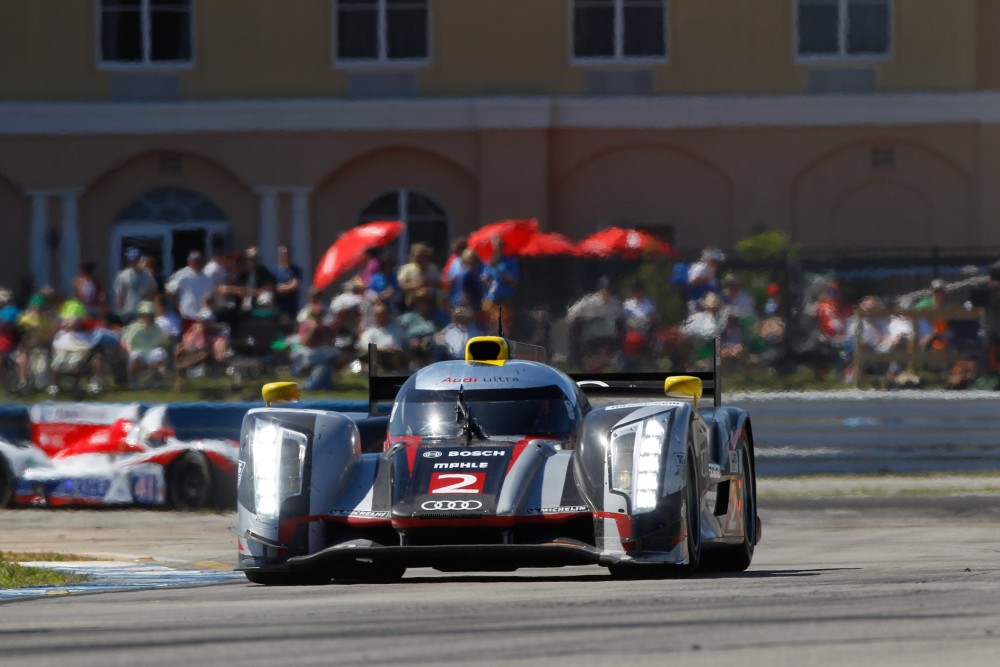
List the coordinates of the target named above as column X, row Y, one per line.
column 15, row 575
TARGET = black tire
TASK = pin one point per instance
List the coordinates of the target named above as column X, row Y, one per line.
column 6, row 483
column 692, row 511
column 190, row 483
column 737, row 557
column 286, row 578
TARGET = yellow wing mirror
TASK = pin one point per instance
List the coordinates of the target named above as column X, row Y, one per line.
column 280, row 392
column 685, row 386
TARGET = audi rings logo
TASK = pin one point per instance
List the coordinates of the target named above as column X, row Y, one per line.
column 433, row 454
column 451, row 505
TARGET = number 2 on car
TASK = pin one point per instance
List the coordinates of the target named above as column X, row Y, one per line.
column 457, row 482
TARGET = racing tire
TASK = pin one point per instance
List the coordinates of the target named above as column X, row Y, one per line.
column 692, row 520
column 190, row 485
column 286, row 578
column 6, row 483
column 737, row 557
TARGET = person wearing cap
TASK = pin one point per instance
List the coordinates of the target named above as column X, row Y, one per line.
column 146, row 345
column 707, row 321
column 132, row 285
column 189, row 287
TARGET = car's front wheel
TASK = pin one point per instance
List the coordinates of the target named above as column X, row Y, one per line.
column 190, row 483
column 6, row 482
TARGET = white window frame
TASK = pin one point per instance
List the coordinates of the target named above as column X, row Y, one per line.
column 382, row 60
column 619, row 55
column 164, row 231
column 147, row 43
column 842, row 55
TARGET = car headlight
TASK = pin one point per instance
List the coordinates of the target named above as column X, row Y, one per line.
column 647, row 465
column 635, row 461
column 278, row 466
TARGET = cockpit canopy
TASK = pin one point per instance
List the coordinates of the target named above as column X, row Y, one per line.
column 544, row 411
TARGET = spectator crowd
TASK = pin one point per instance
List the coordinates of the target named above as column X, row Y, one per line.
column 232, row 314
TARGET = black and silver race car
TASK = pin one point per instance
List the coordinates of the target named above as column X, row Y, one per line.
column 494, row 463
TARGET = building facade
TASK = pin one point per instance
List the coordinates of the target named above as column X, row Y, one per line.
column 180, row 124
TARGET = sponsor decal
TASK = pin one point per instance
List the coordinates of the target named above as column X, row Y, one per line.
column 457, row 482
column 477, row 452
column 735, row 463
column 624, row 406
column 461, row 465
column 451, row 505
column 433, row 454
column 239, row 472
column 363, row 514
column 714, row 471
column 485, row 380
column 681, row 460
column 557, row 510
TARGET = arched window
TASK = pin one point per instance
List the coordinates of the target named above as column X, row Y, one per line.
column 425, row 218
column 167, row 224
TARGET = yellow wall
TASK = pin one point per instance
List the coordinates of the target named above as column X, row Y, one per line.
column 935, row 46
column 274, row 48
column 47, row 50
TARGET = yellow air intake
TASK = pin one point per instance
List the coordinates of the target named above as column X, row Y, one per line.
column 488, row 350
column 685, row 386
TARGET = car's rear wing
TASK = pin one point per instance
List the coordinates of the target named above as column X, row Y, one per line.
column 649, row 383
column 383, row 388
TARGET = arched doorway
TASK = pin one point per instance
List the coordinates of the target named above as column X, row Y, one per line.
column 425, row 218
column 167, row 223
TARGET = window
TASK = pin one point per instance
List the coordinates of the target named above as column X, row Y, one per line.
column 145, row 32
column 382, row 31
column 426, row 221
column 844, row 28
column 619, row 29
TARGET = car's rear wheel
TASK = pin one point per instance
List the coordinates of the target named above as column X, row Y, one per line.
column 190, row 485
column 737, row 557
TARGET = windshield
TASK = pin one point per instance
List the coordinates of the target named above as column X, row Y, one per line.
column 503, row 412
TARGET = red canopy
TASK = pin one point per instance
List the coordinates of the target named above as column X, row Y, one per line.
column 617, row 241
column 514, row 234
column 547, row 243
column 349, row 249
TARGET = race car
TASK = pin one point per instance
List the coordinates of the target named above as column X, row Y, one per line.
column 94, row 455
column 494, row 463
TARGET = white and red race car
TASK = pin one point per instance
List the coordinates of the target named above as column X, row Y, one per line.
column 88, row 454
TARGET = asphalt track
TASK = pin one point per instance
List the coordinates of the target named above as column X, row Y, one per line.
column 895, row 581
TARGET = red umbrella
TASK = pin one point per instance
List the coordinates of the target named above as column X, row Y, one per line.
column 628, row 243
column 514, row 234
column 349, row 249
column 547, row 243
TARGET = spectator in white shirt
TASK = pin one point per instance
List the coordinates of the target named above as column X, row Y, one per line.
column 189, row 286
